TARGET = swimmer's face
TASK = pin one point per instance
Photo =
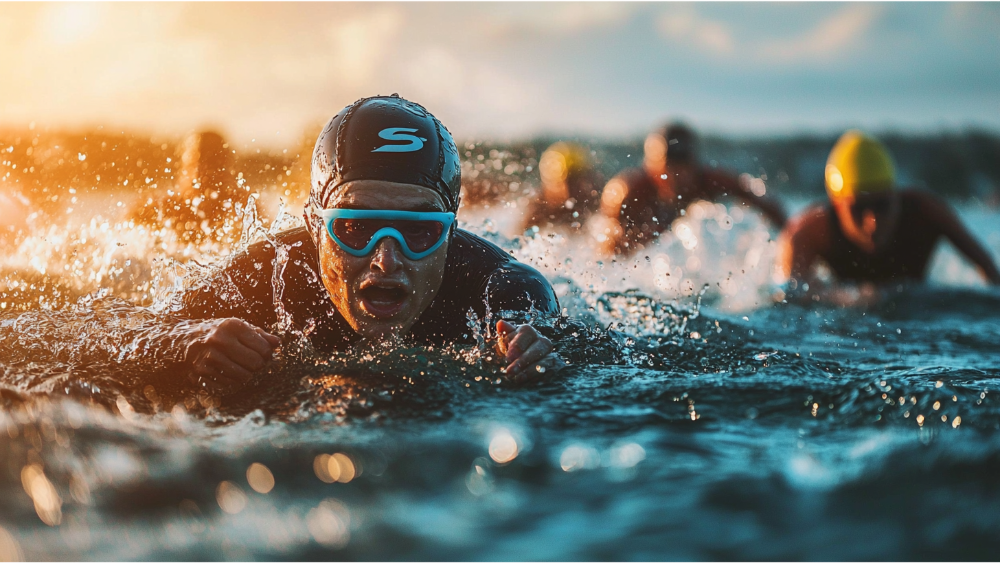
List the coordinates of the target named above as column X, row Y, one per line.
column 385, row 292
column 657, row 160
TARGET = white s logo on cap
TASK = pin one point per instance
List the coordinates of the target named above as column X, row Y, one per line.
column 400, row 134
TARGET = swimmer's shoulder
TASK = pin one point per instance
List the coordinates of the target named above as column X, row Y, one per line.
column 812, row 226
column 916, row 199
column 466, row 246
column 243, row 286
column 633, row 177
column 506, row 283
column 259, row 256
column 925, row 211
column 718, row 179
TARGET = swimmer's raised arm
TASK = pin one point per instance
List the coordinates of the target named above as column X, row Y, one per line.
column 765, row 204
column 951, row 226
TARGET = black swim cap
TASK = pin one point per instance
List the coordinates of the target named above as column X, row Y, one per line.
column 385, row 138
column 681, row 142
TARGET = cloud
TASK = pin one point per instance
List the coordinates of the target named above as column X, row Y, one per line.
column 831, row 37
column 361, row 43
column 687, row 26
column 563, row 18
column 256, row 69
column 479, row 96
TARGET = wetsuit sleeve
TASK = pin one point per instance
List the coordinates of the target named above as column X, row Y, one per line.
column 517, row 290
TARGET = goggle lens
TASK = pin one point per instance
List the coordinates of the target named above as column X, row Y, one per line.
column 357, row 233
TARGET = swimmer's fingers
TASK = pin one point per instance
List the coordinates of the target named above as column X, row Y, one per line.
column 227, row 368
column 221, row 354
column 525, row 352
column 206, row 375
column 523, row 338
column 240, row 344
column 271, row 339
column 257, row 340
column 538, row 350
column 506, row 332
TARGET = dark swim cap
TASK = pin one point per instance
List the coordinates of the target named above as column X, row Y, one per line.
column 681, row 142
column 385, row 138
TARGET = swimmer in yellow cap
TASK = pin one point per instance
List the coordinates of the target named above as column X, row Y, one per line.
column 870, row 233
column 569, row 187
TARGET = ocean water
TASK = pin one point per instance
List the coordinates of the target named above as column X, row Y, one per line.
column 698, row 419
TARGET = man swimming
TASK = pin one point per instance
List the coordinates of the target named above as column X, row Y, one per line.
column 569, row 188
column 380, row 256
column 639, row 203
column 869, row 233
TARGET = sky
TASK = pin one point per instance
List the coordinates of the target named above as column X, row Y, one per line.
column 269, row 71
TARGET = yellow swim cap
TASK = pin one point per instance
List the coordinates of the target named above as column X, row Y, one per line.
column 562, row 160
column 858, row 164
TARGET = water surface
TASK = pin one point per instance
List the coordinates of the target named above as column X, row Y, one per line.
column 698, row 420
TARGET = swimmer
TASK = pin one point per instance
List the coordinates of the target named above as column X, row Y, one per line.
column 569, row 188
column 380, row 256
column 639, row 203
column 869, row 233
column 205, row 192
column 14, row 212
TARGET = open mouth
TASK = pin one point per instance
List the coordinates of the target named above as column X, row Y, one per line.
column 382, row 300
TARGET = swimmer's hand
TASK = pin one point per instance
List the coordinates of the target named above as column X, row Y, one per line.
column 528, row 354
column 222, row 354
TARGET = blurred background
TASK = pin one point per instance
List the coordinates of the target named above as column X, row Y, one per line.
column 99, row 94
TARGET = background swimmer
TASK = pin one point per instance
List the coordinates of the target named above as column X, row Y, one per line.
column 639, row 203
column 205, row 193
column 869, row 233
column 569, row 189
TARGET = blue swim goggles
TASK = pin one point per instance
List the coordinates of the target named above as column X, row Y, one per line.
column 358, row 231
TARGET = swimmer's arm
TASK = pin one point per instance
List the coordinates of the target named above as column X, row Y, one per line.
column 215, row 354
column 798, row 253
column 800, row 249
column 766, row 205
column 951, row 226
column 605, row 225
column 220, row 345
column 527, row 353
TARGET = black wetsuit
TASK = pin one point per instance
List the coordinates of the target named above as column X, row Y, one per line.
column 904, row 256
column 478, row 276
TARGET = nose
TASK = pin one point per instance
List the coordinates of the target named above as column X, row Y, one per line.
column 387, row 257
column 870, row 222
